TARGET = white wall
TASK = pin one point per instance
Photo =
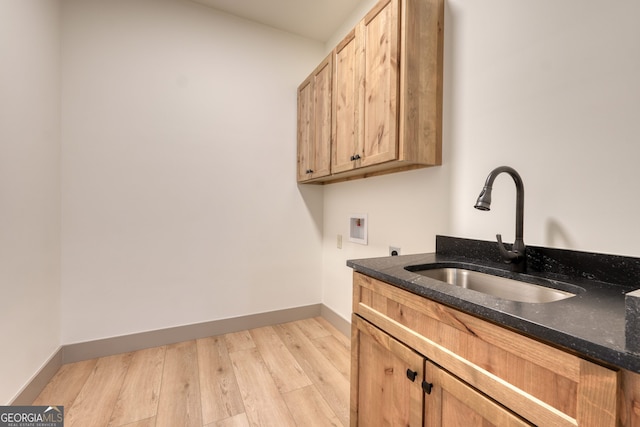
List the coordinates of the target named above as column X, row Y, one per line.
column 404, row 210
column 178, row 169
column 549, row 88
column 552, row 89
column 29, row 190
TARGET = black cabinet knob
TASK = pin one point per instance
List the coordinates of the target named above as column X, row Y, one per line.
column 426, row 387
column 411, row 375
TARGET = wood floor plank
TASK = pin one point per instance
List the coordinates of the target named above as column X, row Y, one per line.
column 309, row 409
column 138, row 399
column 96, row 400
column 179, row 403
column 344, row 339
column 239, row 420
column 335, row 351
column 312, row 328
column 66, row 384
column 238, row 341
column 149, row 422
column 263, row 403
column 285, row 370
column 331, row 384
column 292, row 374
column 219, row 392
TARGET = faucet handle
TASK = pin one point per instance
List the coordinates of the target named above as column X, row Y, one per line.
column 509, row 256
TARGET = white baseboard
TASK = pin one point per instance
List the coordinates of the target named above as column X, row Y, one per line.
column 340, row 323
column 39, row 380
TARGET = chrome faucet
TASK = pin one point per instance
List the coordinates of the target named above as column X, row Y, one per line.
column 517, row 255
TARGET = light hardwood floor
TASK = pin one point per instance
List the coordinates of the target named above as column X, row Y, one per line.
column 285, row 375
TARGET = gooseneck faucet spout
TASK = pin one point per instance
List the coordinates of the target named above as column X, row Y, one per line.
column 517, row 255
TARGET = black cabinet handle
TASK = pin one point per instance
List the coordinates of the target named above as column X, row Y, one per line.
column 411, row 375
column 426, row 387
column 356, row 157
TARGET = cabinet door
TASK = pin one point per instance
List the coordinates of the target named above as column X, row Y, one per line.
column 320, row 152
column 314, row 123
column 345, row 123
column 454, row 403
column 305, row 128
column 379, row 32
column 386, row 379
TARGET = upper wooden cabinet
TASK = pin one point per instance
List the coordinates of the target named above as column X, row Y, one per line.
column 367, row 71
column 314, row 123
column 345, row 84
column 387, row 87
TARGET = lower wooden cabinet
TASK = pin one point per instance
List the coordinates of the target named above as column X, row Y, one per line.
column 397, row 386
column 388, row 375
column 416, row 362
column 454, row 403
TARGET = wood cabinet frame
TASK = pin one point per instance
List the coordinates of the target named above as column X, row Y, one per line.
column 387, row 92
column 315, row 116
column 542, row 384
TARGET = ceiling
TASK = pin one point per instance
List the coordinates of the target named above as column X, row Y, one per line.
column 314, row 19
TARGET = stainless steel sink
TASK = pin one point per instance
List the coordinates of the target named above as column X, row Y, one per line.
column 501, row 287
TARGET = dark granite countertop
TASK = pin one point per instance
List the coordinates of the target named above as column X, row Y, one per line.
column 592, row 323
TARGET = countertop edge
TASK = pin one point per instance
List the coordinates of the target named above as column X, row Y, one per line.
column 387, row 270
